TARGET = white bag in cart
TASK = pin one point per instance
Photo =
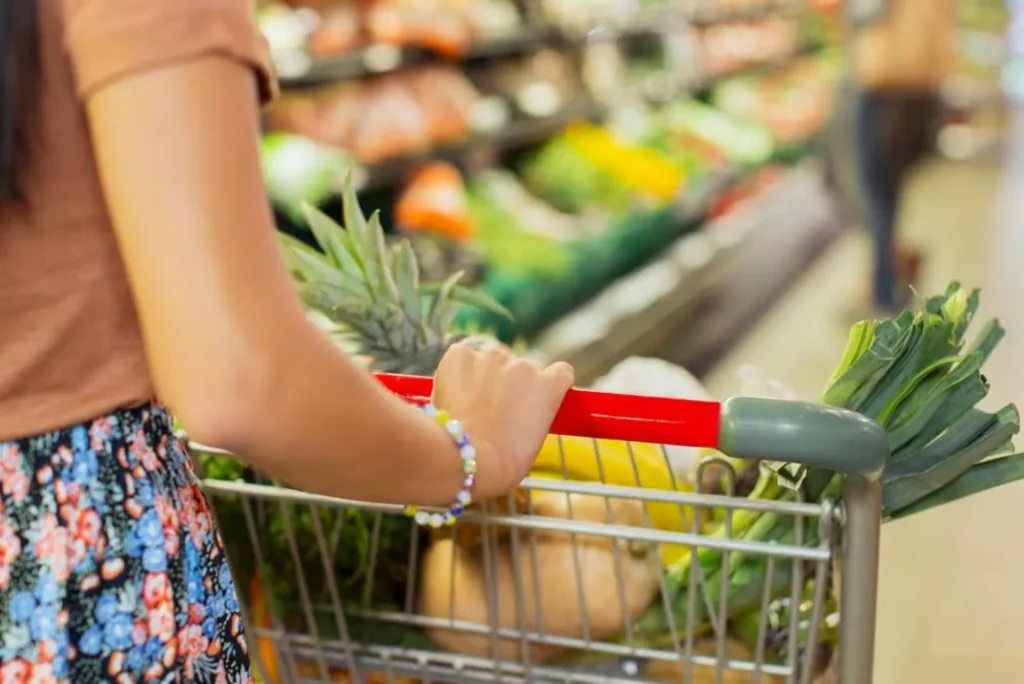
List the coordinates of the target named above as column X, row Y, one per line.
column 648, row 377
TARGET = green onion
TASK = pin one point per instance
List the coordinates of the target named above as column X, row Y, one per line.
column 979, row 478
column 915, row 375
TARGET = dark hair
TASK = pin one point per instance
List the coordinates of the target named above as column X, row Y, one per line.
column 19, row 73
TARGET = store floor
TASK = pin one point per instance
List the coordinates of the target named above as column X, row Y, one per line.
column 951, row 604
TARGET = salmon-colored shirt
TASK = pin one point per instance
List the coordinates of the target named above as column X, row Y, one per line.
column 70, row 346
column 911, row 48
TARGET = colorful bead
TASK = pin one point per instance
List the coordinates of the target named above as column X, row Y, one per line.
column 469, row 467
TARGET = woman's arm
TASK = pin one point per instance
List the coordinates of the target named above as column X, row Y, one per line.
column 230, row 349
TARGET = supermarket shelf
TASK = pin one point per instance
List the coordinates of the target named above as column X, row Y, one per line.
column 706, row 18
column 794, row 230
column 649, row 23
column 517, row 134
column 375, row 60
column 695, row 301
column 659, row 22
column 524, row 131
column 759, row 67
column 381, row 59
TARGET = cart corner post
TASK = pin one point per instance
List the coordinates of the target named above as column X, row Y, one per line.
column 841, row 441
column 859, row 579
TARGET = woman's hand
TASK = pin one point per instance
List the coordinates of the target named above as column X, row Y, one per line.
column 505, row 404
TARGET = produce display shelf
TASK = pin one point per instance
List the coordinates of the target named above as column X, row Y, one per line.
column 661, row 22
column 647, row 23
column 375, row 60
column 519, row 133
column 522, row 132
column 709, row 17
column 693, row 302
column 537, row 300
column 759, row 67
column 525, row 131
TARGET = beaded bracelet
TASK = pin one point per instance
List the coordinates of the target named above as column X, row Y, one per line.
column 468, row 454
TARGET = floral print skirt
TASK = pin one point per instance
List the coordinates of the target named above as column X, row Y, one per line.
column 111, row 569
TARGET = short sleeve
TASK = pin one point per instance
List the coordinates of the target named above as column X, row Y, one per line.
column 109, row 39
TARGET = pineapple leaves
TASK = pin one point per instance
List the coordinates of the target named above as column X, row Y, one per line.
column 352, row 213
column 407, row 279
column 469, row 297
column 315, row 269
column 379, row 279
column 330, row 298
column 373, row 292
column 336, row 243
column 328, row 234
column 441, row 313
column 303, row 262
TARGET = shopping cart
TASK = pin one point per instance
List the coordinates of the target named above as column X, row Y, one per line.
column 537, row 593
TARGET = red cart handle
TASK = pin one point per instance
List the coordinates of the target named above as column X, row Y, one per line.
column 603, row 415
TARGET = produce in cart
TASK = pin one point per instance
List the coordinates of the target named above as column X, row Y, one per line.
column 398, row 324
column 916, row 375
column 533, row 573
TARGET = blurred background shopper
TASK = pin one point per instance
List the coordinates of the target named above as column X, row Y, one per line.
column 901, row 52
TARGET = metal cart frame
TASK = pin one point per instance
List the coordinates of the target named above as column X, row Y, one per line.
column 760, row 429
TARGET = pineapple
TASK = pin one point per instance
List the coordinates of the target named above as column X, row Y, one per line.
column 438, row 256
column 372, row 291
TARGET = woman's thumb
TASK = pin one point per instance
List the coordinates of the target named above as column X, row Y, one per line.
column 562, row 375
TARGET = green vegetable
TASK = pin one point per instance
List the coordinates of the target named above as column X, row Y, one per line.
column 916, row 376
column 974, row 437
column 570, row 183
column 300, row 171
column 743, row 142
column 979, row 478
column 507, row 245
column 743, row 523
column 364, row 575
column 745, row 588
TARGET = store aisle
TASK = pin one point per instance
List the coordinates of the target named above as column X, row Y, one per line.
column 951, row 604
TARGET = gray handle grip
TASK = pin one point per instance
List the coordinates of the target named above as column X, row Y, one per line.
column 804, row 433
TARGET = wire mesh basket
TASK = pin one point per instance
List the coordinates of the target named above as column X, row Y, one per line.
column 622, row 576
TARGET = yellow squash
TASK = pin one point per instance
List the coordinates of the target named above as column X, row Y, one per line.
column 638, row 168
column 624, row 464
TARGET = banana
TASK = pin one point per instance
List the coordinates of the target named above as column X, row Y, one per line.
column 622, row 464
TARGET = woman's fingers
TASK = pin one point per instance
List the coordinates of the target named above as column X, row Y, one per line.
column 562, row 374
column 505, row 403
